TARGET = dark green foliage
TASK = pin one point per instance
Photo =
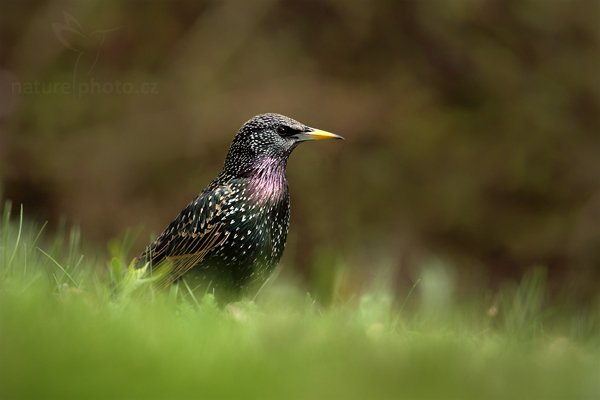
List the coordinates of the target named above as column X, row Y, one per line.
column 472, row 126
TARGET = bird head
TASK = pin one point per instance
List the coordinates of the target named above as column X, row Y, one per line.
column 269, row 136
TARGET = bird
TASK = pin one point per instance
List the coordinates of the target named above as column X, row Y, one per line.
column 232, row 235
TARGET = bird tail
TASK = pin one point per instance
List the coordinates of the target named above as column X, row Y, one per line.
column 140, row 261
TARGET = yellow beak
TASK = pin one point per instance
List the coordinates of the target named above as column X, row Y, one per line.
column 317, row 134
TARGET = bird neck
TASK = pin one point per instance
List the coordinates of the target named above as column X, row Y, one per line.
column 267, row 179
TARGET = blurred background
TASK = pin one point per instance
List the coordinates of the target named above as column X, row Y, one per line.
column 472, row 127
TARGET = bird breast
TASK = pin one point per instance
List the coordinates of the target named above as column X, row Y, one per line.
column 268, row 183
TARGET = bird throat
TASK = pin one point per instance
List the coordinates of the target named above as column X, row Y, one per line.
column 268, row 182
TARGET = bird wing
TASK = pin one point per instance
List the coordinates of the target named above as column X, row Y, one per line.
column 186, row 241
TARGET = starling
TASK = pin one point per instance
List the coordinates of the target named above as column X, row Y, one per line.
column 233, row 234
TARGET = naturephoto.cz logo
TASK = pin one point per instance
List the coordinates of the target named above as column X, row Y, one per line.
column 81, row 88
column 87, row 47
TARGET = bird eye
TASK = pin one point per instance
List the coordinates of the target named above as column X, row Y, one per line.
column 285, row 130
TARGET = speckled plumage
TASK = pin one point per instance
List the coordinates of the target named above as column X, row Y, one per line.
column 235, row 231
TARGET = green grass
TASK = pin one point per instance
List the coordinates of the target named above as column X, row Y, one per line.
column 72, row 327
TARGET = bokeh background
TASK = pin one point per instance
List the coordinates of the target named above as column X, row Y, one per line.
column 472, row 126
